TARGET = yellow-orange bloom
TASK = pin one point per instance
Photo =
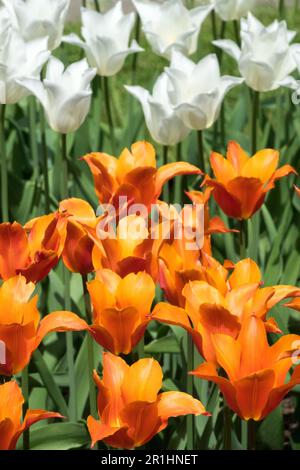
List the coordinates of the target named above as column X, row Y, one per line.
column 11, row 426
column 133, row 174
column 220, row 303
column 256, row 372
column 121, row 309
column 242, row 182
column 130, row 407
column 31, row 251
column 21, row 329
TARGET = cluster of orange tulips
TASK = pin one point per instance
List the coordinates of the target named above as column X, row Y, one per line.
column 223, row 307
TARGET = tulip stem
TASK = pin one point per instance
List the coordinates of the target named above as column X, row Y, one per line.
column 237, row 32
column 255, row 114
column 227, row 428
column 281, row 8
column 4, row 180
column 67, row 289
column 109, row 114
column 44, row 160
column 214, row 24
column 243, row 245
column 166, row 194
column 178, row 179
column 190, row 391
column 135, row 56
column 32, row 137
column 25, row 392
column 251, row 426
column 90, row 348
column 201, row 151
column 97, row 5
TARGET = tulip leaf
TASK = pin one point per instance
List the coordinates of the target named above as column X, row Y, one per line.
column 271, row 431
column 168, row 344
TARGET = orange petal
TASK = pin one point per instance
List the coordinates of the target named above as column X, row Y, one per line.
column 20, row 342
column 216, row 225
column 228, row 354
column 249, row 192
column 283, row 292
column 236, row 156
column 238, row 298
column 142, row 381
column 170, row 314
column 78, row 208
column 14, row 249
column 223, row 169
column 11, row 400
column 60, row 321
column 228, row 202
column 295, row 304
column 99, row 431
column 262, row 165
column 278, row 393
column 245, row 271
column 142, row 420
column 104, row 169
column 169, row 171
column 78, row 248
column 40, row 266
column 252, row 393
column 136, row 290
column 172, row 404
column 254, row 346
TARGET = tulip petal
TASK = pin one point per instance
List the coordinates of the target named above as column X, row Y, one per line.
column 245, row 271
column 169, row 171
column 43, row 262
column 172, row 404
column 60, row 321
column 283, row 292
column 249, row 192
column 99, row 431
column 295, row 304
column 228, row 354
column 143, row 421
column 278, row 393
column 19, row 343
column 223, row 169
column 228, row 202
column 262, row 165
column 142, row 381
column 236, row 156
column 229, row 46
column 14, row 249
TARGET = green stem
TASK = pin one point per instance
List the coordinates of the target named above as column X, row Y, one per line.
column 244, row 434
column 255, row 117
column 190, row 390
column 4, row 179
column 237, row 32
column 32, row 137
column 178, row 179
column 25, row 392
column 201, row 151
column 227, row 428
column 251, row 434
column 135, row 56
column 281, row 8
column 166, row 195
column 90, row 349
column 243, row 246
column 67, row 289
column 214, row 24
column 44, row 160
column 109, row 114
column 96, row 5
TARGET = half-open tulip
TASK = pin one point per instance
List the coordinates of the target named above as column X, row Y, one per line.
column 106, row 39
column 256, row 373
column 39, row 19
column 197, row 91
column 219, row 303
column 133, row 175
column 21, row 329
column 164, row 125
column 130, row 407
column 121, row 309
column 229, row 10
column 32, row 251
column 266, row 58
column 11, row 424
column 65, row 94
column 171, row 26
column 242, row 182
column 19, row 58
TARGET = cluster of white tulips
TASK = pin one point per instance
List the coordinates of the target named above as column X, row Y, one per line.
column 186, row 95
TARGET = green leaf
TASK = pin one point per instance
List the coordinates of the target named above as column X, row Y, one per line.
column 271, row 431
column 169, row 344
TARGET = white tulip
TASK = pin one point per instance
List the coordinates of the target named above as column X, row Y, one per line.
column 39, row 18
column 106, row 37
column 19, row 58
column 127, row 5
column 266, row 57
column 164, row 125
column 65, row 94
column 229, row 10
column 4, row 18
column 196, row 91
column 171, row 26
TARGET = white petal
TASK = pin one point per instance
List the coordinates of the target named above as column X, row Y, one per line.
column 229, row 46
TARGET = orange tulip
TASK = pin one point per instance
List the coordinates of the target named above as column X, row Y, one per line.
column 21, row 329
column 133, row 174
column 220, row 303
column 11, row 427
column 242, row 182
column 295, row 304
column 255, row 381
column 130, row 408
column 31, row 251
column 178, row 264
column 121, row 309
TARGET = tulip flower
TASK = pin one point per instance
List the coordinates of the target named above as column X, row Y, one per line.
column 64, row 94
column 295, row 304
column 256, row 372
column 171, row 26
column 130, row 407
column 164, row 125
column 31, row 251
column 127, row 5
column 133, row 175
column 39, row 19
column 19, row 58
column 221, row 303
column 229, row 10
column 121, row 309
column 11, row 425
column 242, row 182
column 106, row 37
column 266, row 58
column 178, row 264
column 196, row 91
column 21, row 329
